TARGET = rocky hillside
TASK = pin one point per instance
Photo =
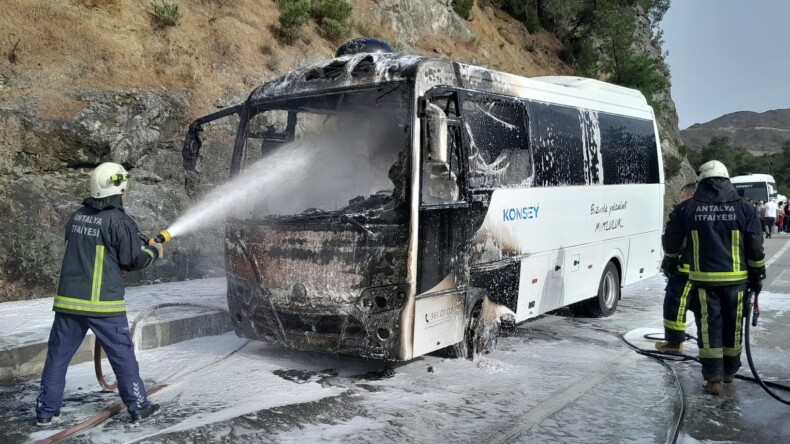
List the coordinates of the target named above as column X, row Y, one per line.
column 87, row 81
column 759, row 133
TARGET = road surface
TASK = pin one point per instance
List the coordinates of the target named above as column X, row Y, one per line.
column 557, row 379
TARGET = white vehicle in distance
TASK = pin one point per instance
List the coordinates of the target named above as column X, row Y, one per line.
column 756, row 186
column 463, row 194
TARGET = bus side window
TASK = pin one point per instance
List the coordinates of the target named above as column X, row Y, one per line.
column 557, row 144
column 499, row 152
column 628, row 149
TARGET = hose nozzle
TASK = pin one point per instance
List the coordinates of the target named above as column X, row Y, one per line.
column 162, row 237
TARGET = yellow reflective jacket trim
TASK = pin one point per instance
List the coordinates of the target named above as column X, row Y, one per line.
column 98, row 271
column 91, row 309
column 671, row 254
column 718, row 276
column 67, row 300
column 695, row 242
column 756, row 264
column 736, row 250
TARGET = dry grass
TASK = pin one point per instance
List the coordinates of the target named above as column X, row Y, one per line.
column 97, row 3
column 501, row 43
column 214, row 49
column 114, row 44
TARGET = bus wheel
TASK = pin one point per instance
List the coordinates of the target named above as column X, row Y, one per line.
column 479, row 337
column 605, row 303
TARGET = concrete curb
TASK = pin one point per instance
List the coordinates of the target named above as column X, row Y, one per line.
column 29, row 359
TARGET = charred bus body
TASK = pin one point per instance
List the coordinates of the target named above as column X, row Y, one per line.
column 457, row 195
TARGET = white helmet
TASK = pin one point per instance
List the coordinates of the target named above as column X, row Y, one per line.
column 714, row 168
column 109, row 179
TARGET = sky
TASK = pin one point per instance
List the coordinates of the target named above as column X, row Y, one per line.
column 727, row 55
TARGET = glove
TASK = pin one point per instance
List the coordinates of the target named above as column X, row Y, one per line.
column 755, row 286
column 160, row 249
column 755, row 283
column 669, row 266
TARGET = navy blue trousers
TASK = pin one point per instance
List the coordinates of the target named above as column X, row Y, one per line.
column 66, row 335
column 719, row 318
column 676, row 302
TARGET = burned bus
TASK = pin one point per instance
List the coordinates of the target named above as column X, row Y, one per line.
column 442, row 198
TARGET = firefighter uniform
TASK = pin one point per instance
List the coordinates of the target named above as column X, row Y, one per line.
column 725, row 253
column 101, row 241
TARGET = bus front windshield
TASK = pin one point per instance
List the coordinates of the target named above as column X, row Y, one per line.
column 335, row 153
column 755, row 191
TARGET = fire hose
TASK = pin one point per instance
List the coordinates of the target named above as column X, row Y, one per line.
column 751, row 314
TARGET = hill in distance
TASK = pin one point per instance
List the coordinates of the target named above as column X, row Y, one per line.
column 758, row 133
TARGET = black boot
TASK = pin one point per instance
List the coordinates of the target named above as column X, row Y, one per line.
column 43, row 422
column 145, row 412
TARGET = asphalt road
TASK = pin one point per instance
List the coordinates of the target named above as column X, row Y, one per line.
column 558, row 379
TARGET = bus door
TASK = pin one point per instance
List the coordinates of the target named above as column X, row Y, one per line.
column 439, row 309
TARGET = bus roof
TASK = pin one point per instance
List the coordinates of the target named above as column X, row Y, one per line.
column 427, row 72
column 745, row 178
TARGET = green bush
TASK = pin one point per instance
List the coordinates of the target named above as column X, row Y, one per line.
column 273, row 64
column 266, row 49
column 333, row 18
column 338, row 10
column 165, row 13
column 333, row 30
column 532, row 22
column 294, row 14
column 463, row 8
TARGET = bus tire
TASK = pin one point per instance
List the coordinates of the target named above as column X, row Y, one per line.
column 605, row 303
column 476, row 339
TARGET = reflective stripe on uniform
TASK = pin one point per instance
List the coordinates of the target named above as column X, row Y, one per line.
column 90, row 309
column 738, row 326
column 732, row 352
column 87, row 303
column 98, row 271
column 756, row 264
column 736, row 250
column 703, row 299
column 718, row 276
column 682, row 307
column 671, row 254
column 87, row 306
column 90, row 306
column 678, row 326
column 695, row 242
column 711, row 353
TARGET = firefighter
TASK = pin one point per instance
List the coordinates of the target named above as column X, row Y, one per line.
column 725, row 251
column 102, row 242
column 676, row 294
